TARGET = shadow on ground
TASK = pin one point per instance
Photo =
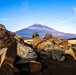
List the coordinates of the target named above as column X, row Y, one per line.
column 52, row 67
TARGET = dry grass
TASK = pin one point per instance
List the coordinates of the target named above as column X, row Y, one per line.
column 72, row 41
column 28, row 41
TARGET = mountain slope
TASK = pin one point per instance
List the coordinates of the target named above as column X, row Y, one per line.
column 42, row 30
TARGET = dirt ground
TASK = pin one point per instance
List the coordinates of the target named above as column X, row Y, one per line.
column 53, row 67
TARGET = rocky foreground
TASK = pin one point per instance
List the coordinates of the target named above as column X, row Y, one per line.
column 53, row 67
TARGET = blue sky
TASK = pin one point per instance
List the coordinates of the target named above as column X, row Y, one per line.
column 57, row 14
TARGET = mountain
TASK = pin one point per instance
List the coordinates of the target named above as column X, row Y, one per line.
column 42, row 30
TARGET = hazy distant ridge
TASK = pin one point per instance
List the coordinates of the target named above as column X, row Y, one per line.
column 42, row 30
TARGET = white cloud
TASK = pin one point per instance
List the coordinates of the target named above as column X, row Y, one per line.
column 74, row 10
column 5, row 19
column 24, row 5
column 65, row 20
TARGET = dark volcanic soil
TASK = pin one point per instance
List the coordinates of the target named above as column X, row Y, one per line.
column 53, row 67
